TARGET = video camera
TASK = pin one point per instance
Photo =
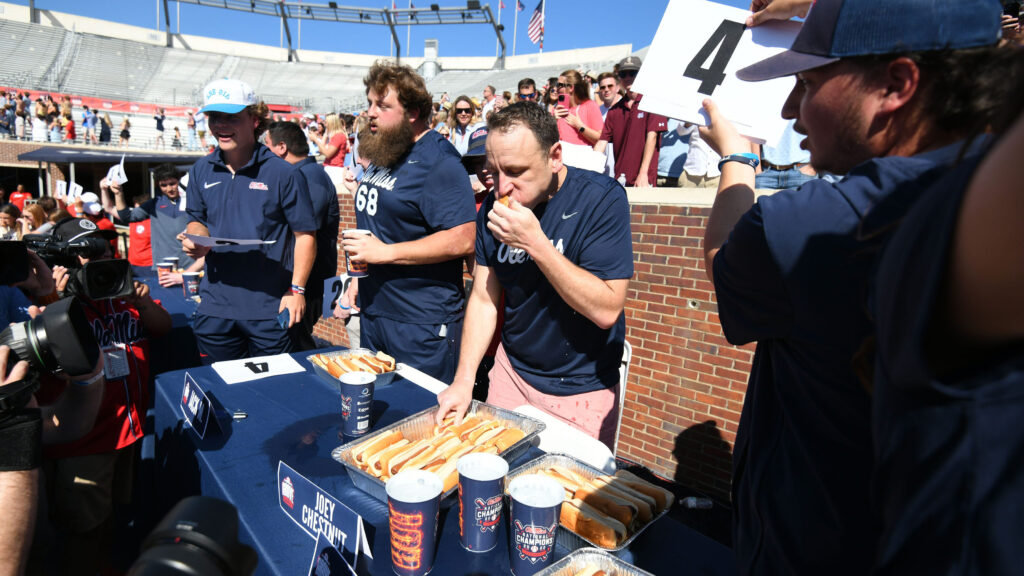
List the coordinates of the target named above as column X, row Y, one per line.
column 99, row 280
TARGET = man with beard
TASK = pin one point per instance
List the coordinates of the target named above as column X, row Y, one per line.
column 417, row 203
column 243, row 190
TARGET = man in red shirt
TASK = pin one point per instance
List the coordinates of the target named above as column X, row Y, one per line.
column 635, row 135
column 19, row 196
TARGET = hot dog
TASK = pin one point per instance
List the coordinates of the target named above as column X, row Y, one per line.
column 663, row 497
column 577, row 516
column 378, row 463
column 645, row 505
column 363, row 451
column 609, row 504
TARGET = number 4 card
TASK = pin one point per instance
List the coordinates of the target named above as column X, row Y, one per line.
column 696, row 52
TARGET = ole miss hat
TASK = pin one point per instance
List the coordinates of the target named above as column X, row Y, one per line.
column 227, row 96
column 73, row 229
column 477, row 143
column 837, row 29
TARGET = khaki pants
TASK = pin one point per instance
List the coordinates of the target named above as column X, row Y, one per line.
column 690, row 181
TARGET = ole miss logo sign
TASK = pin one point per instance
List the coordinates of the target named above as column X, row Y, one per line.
column 534, row 543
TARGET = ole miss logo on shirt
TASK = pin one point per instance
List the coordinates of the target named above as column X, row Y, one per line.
column 257, row 186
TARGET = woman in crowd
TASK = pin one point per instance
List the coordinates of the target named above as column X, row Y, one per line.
column 441, row 121
column 106, row 126
column 550, row 96
column 39, row 124
column 460, row 124
column 31, row 219
column 9, row 228
column 579, row 117
column 176, row 141
column 126, row 133
column 333, row 144
column 53, row 123
column 20, row 118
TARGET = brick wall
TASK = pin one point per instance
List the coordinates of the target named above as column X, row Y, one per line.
column 686, row 383
column 9, row 151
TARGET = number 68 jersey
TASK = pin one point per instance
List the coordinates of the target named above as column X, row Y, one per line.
column 426, row 191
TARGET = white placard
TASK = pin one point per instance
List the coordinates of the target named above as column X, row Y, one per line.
column 214, row 242
column 116, row 172
column 61, row 190
column 696, row 52
column 74, row 191
column 583, row 157
column 248, row 369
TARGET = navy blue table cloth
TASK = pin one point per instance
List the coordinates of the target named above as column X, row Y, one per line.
column 296, row 418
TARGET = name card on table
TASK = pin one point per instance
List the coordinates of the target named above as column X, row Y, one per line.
column 247, row 369
column 195, row 406
column 318, row 513
column 696, row 52
column 329, row 561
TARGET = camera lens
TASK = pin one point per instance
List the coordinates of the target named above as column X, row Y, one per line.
column 59, row 339
column 104, row 279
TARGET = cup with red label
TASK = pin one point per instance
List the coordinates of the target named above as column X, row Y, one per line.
column 355, row 269
column 481, row 499
column 414, row 500
column 190, row 284
column 534, row 507
column 163, row 268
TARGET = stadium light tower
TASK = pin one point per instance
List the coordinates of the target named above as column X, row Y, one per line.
column 472, row 13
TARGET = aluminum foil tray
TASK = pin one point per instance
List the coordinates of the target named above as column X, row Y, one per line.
column 382, row 379
column 565, row 537
column 421, row 425
column 580, row 559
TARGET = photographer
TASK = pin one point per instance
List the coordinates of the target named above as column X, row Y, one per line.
column 85, row 478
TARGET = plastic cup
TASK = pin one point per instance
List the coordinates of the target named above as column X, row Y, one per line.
column 481, row 498
column 190, row 284
column 355, row 269
column 164, row 268
column 356, row 402
column 534, row 508
column 414, row 499
column 173, row 260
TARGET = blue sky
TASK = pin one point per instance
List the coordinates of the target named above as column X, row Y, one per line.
column 570, row 24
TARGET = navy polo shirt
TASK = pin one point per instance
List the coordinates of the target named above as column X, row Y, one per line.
column 793, row 276
column 553, row 347
column 324, row 198
column 266, row 199
column 949, row 447
column 427, row 191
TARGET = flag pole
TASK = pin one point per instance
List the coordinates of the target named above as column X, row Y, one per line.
column 543, row 22
column 497, row 42
column 515, row 28
column 408, row 28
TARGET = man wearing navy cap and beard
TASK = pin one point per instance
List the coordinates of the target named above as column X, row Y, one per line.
column 892, row 107
column 416, row 201
column 562, row 253
column 242, row 190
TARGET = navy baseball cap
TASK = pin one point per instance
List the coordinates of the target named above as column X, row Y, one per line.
column 837, row 29
column 477, row 143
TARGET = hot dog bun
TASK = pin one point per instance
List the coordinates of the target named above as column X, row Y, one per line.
column 505, row 201
column 609, row 504
column 577, row 516
column 663, row 497
column 363, row 451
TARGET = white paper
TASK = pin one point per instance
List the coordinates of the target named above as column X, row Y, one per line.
column 584, row 157
column 214, row 242
column 74, row 191
column 248, row 369
column 62, row 189
column 116, row 172
column 687, row 25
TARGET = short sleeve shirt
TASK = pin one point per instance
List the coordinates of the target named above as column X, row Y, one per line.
column 590, row 114
column 266, row 200
column 340, row 141
column 553, row 347
column 794, row 276
column 427, row 191
column 626, row 129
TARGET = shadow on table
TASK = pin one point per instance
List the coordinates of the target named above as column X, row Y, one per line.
column 701, row 446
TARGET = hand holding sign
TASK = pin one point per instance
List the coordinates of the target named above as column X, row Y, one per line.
column 682, row 70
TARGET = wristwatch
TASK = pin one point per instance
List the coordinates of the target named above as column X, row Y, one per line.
column 582, row 129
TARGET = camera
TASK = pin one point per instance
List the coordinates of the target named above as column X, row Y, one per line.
column 198, row 536
column 1011, row 8
column 103, row 279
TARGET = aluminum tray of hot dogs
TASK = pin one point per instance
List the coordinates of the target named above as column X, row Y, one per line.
column 417, row 443
column 612, row 509
column 591, row 561
column 331, row 365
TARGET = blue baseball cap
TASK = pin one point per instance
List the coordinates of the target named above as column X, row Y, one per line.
column 837, row 29
column 227, row 96
column 477, row 143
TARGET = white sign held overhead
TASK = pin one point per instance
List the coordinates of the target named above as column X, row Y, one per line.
column 74, row 191
column 696, row 52
column 61, row 189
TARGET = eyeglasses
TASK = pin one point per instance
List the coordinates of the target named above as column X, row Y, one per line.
column 627, row 73
column 608, row 87
column 560, row 85
column 528, row 96
column 463, row 110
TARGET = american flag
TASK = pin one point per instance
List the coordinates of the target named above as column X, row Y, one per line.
column 519, row 5
column 535, row 30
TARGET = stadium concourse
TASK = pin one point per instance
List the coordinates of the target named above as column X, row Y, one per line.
column 130, row 71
